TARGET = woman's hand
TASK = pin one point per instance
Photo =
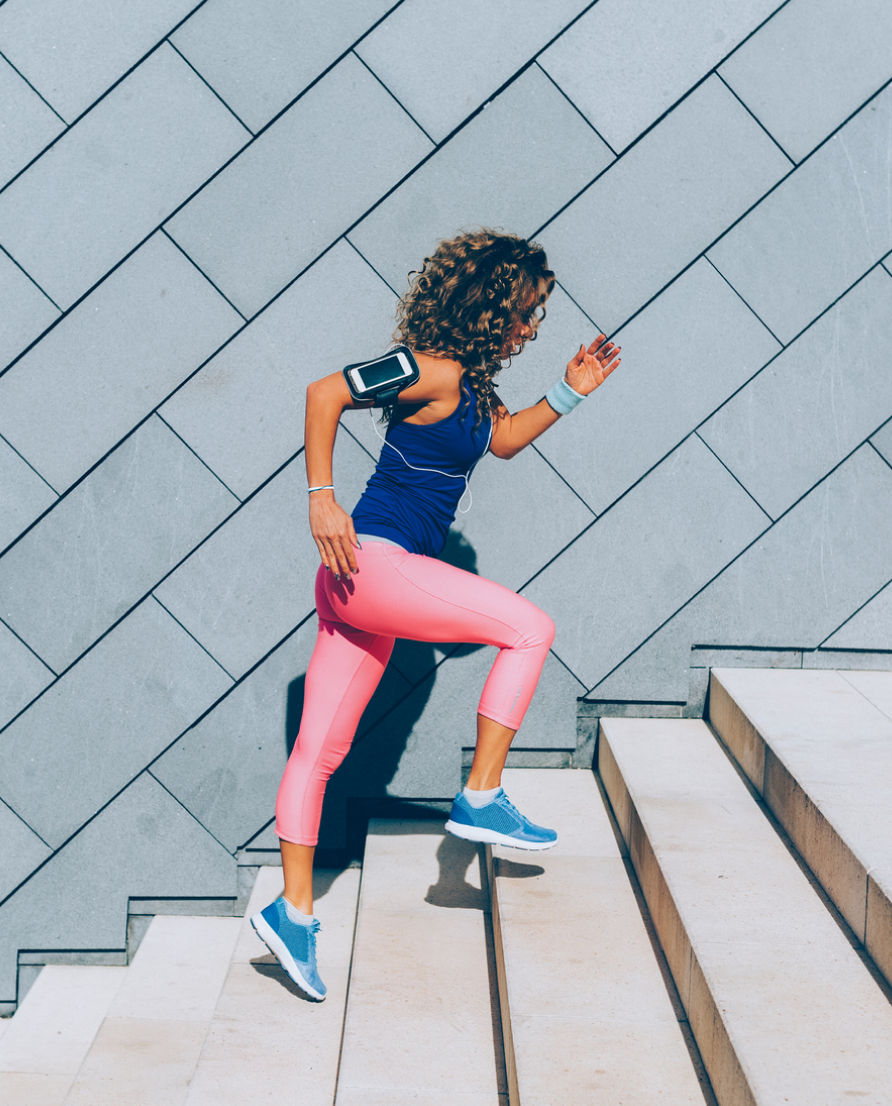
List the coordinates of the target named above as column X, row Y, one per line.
column 333, row 533
column 591, row 367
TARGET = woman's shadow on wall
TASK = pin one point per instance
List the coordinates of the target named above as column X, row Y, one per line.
column 359, row 788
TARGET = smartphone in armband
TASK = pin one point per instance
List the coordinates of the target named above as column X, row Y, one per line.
column 382, row 379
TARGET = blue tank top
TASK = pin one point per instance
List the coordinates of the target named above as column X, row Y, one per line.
column 415, row 509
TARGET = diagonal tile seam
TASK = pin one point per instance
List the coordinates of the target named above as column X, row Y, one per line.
column 393, row 97
column 858, row 610
column 696, row 429
column 370, row 265
column 30, row 650
column 733, row 476
column 423, row 161
column 146, row 769
column 749, row 307
column 12, row 810
column 207, row 84
column 575, row 107
column 24, row 272
column 794, row 168
column 44, row 480
column 865, row 443
column 187, row 631
column 36, row 92
column 541, row 569
column 149, row 592
column 48, row 860
column 250, row 142
column 753, row 115
column 98, row 99
column 198, row 457
column 163, row 230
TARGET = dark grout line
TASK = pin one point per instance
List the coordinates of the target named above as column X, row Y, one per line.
column 737, row 557
column 25, row 823
column 163, row 230
column 866, row 602
column 166, row 749
column 34, row 653
column 732, row 475
column 589, row 508
column 157, row 583
column 881, row 456
column 582, row 116
column 23, row 270
column 196, row 455
column 37, row 93
column 369, row 69
column 579, row 306
column 755, row 117
column 209, row 85
column 185, row 630
column 789, row 344
column 370, row 265
column 148, row 771
column 25, row 460
column 100, row 98
column 710, row 262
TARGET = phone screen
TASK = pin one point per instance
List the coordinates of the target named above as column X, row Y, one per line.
column 390, row 370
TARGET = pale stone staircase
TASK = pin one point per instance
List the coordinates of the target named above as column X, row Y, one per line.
column 713, row 926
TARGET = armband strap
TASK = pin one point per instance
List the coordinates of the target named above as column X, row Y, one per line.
column 562, row 398
column 321, row 488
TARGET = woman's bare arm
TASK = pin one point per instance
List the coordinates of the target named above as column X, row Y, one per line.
column 587, row 370
column 327, row 399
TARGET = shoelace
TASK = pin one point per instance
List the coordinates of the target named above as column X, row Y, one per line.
column 503, row 800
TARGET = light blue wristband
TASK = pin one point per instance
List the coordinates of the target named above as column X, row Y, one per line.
column 563, row 398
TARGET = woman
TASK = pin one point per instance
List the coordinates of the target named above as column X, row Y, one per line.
column 476, row 302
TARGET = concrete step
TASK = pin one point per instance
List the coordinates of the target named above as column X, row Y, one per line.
column 817, row 746
column 267, row 1042
column 782, row 1008
column 586, row 1014
column 149, row 1042
column 422, row 1020
column 43, row 1045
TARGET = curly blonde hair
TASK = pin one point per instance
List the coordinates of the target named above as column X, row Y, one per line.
column 466, row 298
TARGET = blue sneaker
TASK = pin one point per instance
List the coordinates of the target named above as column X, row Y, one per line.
column 292, row 944
column 497, row 823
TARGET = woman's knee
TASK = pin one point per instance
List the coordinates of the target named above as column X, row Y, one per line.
column 538, row 629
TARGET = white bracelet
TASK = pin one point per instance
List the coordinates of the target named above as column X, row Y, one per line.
column 562, row 398
column 321, row 488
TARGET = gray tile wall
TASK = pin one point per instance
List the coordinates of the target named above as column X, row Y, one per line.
column 200, row 213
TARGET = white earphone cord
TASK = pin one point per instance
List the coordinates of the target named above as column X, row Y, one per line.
column 449, row 475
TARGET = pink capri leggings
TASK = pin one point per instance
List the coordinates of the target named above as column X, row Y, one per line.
column 398, row 594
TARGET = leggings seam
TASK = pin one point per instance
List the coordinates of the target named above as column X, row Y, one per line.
column 461, row 607
column 322, row 746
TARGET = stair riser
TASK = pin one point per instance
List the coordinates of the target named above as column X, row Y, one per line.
column 841, row 874
column 719, row 1058
column 501, row 975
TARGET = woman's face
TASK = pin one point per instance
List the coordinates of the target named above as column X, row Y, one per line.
column 524, row 324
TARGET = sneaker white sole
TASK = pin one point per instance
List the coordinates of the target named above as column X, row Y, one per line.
column 279, row 949
column 490, row 837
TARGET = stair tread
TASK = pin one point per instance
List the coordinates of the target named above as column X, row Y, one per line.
column 590, row 1016
column 267, row 1041
column 830, row 731
column 44, row 1044
column 419, row 1025
column 149, row 1041
column 776, row 995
